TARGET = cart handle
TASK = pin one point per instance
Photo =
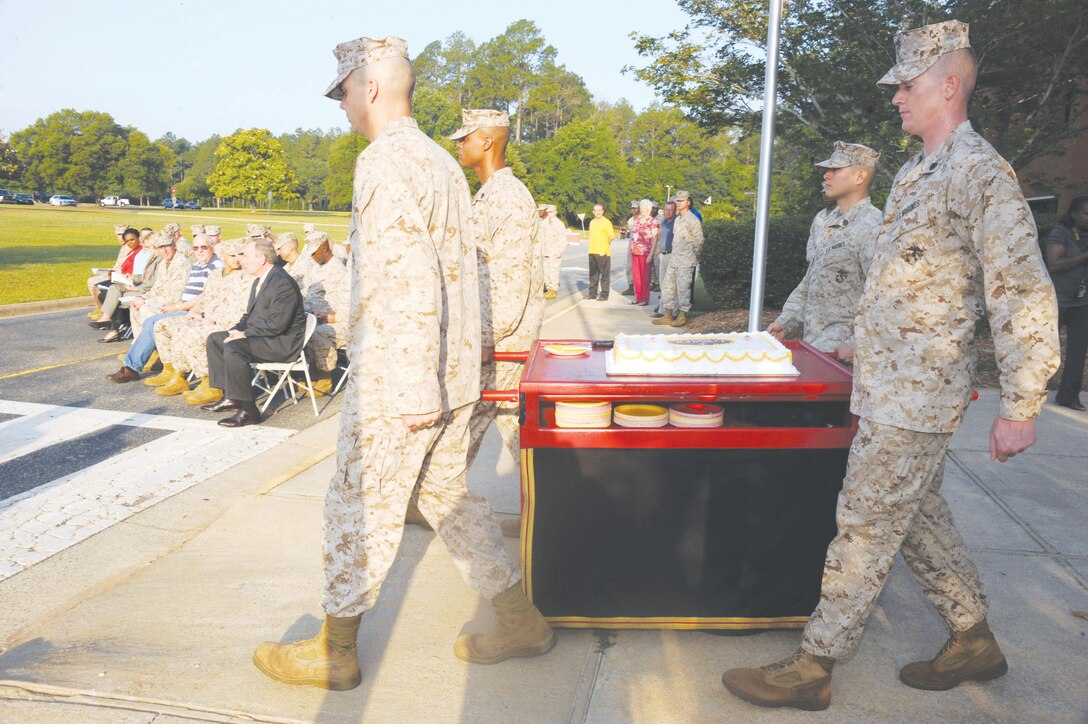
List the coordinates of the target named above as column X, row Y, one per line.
column 499, row 395
column 511, row 356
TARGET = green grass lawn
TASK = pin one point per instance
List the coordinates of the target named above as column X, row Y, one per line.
column 47, row 252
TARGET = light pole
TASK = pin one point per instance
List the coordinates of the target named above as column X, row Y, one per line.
column 668, row 192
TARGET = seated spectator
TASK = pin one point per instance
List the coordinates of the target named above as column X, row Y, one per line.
column 144, row 345
column 93, row 282
column 172, row 278
column 294, row 262
column 181, row 340
column 174, row 232
column 145, row 271
column 215, row 237
column 327, row 297
column 121, row 274
column 271, row 330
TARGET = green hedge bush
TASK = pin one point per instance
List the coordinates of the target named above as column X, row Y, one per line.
column 726, row 262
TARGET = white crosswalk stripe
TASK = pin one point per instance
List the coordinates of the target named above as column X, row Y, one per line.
column 47, row 519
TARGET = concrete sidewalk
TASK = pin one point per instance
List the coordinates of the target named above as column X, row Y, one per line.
column 156, row 618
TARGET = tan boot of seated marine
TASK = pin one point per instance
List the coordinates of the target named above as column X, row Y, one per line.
column 971, row 655
column 163, row 377
column 680, row 321
column 328, row 660
column 520, row 631
column 206, row 397
column 322, row 385
column 177, row 384
column 667, row 319
column 152, row 361
column 198, row 390
column 801, row 681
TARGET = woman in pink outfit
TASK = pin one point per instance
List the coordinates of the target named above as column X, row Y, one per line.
column 644, row 231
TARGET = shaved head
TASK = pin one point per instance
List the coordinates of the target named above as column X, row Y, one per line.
column 393, row 75
column 962, row 64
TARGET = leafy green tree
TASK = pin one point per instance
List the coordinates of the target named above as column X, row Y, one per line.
column 199, row 163
column 179, row 146
column 579, row 167
column 560, row 97
column 443, row 67
column 145, row 169
column 251, row 164
column 76, row 152
column 307, row 154
column 11, row 168
column 343, row 152
column 508, row 68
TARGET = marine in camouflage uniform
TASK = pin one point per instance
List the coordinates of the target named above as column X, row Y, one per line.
column 511, row 272
column 687, row 244
column 842, row 242
column 404, row 420
column 957, row 241
column 328, row 295
column 172, row 277
column 553, row 244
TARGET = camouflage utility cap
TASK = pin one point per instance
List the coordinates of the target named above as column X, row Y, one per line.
column 171, row 228
column 315, row 236
column 476, row 118
column 119, row 228
column 161, row 238
column 233, row 247
column 285, row 237
column 307, row 228
column 360, row 53
column 197, row 229
column 212, row 230
column 850, row 154
column 256, row 231
column 917, row 50
column 552, row 209
column 681, row 196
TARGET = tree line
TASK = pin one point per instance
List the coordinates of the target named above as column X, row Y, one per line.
column 573, row 152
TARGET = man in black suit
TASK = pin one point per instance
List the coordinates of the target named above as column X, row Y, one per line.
column 271, row 330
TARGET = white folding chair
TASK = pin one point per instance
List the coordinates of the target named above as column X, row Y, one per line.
column 343, row 377
column 283, row 370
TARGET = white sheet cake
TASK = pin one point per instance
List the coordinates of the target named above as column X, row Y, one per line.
column 704, row 355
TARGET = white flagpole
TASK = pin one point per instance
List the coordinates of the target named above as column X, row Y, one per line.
column 766, row 153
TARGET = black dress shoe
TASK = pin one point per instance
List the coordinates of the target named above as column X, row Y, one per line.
column 104, row 324
column 223, row 405
column 113, row 336
column 1074, row 406
column 241, row 419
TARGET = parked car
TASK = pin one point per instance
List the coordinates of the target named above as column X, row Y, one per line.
column 113, row 201
column 24, row 199
column 190, row 205
column 40, row 198
column 61, row 200
column 6, row 197
column 168, row 204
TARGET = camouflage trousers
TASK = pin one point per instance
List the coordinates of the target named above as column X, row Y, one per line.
column 676, row 286
column 552, row 267
column 890, row 502
column 138, row 316
column 326, row 339
column 184, row 344
column 497, row 376
column 379, row 462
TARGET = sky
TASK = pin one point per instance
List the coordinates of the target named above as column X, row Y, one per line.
column 200, row 67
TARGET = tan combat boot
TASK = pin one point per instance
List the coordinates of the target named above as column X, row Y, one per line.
column 322, row 385
column 198, row 390
column 207, row 397
column 801, row 680
column 667, row 319
column 177, row 384
column 680, row 321
column 521, row 631
column 152, row 361
column 162, row 378
column 971, row 655
column 328, row 660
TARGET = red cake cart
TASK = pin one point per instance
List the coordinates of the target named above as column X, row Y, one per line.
column 715, row 528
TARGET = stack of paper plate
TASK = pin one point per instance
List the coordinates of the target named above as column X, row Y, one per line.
column 583, row 414
column 568, row 350
column 640, row 416
column 696, row 415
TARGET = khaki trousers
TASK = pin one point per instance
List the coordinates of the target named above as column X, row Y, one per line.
column 891, row 501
